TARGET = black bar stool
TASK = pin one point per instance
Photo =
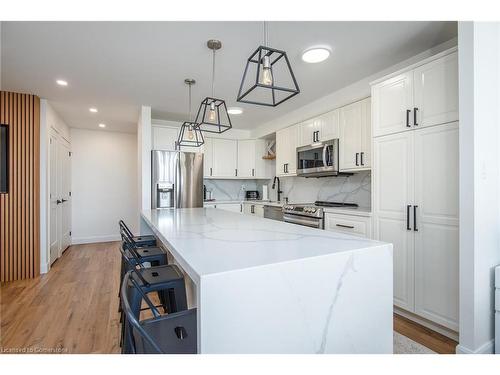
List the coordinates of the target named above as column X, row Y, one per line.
column 175, row 333
column 166, row 280
column 139, row 241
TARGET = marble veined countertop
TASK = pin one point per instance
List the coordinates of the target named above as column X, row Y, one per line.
column 238, row 201
column 211, row 241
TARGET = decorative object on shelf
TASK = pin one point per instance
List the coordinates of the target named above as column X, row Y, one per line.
column 190, row 134
column 212, row 115
column 267, row 65
column 270, row 153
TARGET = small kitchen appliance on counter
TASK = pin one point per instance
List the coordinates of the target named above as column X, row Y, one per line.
column 252, row 195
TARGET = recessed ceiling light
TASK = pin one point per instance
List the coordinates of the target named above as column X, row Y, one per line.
column 235, row 110
column 102, row 125
column 62, row 82
column 93, row 110
column 316, row 54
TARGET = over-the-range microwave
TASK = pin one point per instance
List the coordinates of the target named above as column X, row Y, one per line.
column 318, row 159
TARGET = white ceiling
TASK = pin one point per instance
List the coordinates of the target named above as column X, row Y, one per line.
column 117, row 66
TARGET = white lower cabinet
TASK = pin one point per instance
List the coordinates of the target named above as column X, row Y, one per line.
column 233, row 207
column 350, row 224
column 415, row 207
column 253, row 209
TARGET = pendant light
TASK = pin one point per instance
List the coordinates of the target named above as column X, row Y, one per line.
column 212, row 115
column 267, row 65
column 190, row 134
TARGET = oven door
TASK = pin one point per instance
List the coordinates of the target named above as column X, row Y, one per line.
column 313, row 222
column 318, row 159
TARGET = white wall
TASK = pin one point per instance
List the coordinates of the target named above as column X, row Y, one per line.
column 103, row 183
column 479, row 77
column 49, row 119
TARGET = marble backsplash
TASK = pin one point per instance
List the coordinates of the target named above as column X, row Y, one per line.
column 231, row 189
column 352, row 189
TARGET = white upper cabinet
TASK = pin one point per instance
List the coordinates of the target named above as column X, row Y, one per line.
column 355, row 136
column 424, row 96
column 246, row 158
column 225, row 157
column 392, row 104
column 164, row 138
column 263, row 168
column 286, row 151
column 318, row 129
column 436, row 92
column 208, row 157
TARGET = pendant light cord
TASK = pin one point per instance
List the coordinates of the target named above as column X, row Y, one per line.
column 189, row 108
column 213, row 74
column 266, row 35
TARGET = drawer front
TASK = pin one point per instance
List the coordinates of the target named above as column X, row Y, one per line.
column 359, row 226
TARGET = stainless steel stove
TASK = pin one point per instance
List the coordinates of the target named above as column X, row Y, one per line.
column 310, row 214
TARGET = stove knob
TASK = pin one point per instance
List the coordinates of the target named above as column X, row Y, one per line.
column 313, row 210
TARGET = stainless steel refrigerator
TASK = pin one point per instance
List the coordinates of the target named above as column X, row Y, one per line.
column 176, row 179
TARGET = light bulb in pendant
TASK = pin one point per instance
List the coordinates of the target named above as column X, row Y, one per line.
column 266, row 75
column 212, row 115
column 190, row 133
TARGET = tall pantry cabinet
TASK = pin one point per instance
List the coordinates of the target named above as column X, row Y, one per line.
column 415, row 184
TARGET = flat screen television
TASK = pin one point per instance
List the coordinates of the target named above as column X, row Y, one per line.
column 4, row 159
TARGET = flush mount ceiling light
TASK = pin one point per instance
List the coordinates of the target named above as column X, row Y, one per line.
column 212, row 115
column 316, row 54
column 235, row 110
column 102, row 125
column 93, row 110
column 62, row 82
column 190, row 134
column 269, row 66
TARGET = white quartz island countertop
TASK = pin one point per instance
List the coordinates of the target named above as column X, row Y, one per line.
column 264, row 286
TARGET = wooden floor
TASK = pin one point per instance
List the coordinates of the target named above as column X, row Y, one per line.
column 73, row 308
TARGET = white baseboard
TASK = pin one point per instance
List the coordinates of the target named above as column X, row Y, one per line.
column 486, row 348
column 44, row 268
column 94, row 239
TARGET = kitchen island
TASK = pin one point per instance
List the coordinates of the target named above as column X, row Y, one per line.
column 264, row 286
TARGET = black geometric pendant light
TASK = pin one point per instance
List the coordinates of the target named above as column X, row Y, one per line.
column 268, row 78
column 190, row 134
column 212, row 115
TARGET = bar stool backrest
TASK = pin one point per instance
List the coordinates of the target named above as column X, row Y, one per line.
column 125, row 229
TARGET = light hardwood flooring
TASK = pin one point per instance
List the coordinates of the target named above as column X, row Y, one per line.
column 74, row 308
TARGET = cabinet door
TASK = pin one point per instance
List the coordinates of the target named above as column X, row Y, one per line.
column 208, row 157
column 233, row 207
column 328, row 125
column 246, row 158
column 436, row 92
column 365, row 159
column 259, row 210
column 393, row 172
column 164, row 138
column 306, row 131
column 281, row 151
column 225, row 154
column 291, row 159
column 437, row 235
column 350, row 136
column 390, row 100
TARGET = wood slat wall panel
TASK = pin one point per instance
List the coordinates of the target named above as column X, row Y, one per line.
column 20, row 208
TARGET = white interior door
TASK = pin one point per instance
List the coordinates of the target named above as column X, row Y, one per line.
column 393, row 192
column 225, row 154
column 55, row 212
column 391, row 99
column 350, row 136
column 246, row 158
column 65, row 193
column 437, row 235
column 436, row 91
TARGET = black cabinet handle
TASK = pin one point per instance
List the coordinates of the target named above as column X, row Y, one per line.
column 210, row 171
column 361, row 158
column 252, row 209
column 253, row 172
column 236, row 172
column 357, row 155
column 408, row 118
column 415, row 109
column 345, row 226
column 63, row 200
column 408, row 217
column 58, row 201
column 415, row 218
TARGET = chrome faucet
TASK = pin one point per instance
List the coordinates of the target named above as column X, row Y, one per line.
column 276, row 178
